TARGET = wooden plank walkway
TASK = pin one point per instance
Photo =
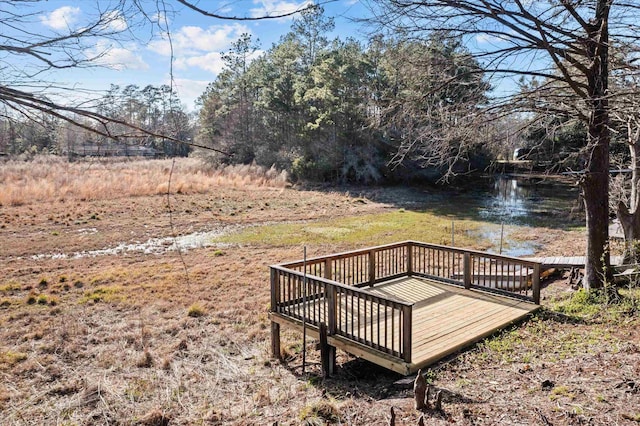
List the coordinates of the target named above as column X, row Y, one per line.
column 446, row 318
column 567, row 262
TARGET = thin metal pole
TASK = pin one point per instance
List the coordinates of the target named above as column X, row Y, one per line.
column 453, row 242
column 304, row 312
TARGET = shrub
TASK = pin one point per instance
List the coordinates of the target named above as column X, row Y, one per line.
column 196, row 311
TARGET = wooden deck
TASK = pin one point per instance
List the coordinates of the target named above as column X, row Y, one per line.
column 401, row 308
column 567, row 262
column 445, row 319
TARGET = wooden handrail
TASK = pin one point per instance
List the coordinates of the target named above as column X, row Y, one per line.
column 521, row 261
column 339, row 285
column 342, row 255
column 370, row 310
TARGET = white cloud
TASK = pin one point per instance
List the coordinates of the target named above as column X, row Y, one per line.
column 61, row 18
column 189, row 90
column 271, row 7
column 211, row 62
column 114, row 21
column 490, row 38
column 118, row 58
column 192, row 40
column 197, row 47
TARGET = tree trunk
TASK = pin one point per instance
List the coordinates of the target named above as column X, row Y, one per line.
column 596, row 181
column 629, row 215
column 630, row 222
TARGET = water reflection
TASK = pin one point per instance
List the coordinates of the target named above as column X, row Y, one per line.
column 525, row 201
column 513, row 202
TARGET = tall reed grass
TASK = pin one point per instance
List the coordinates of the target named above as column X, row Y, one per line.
column 51, row 178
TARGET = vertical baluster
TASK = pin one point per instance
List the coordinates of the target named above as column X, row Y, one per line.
column 290, row 298
column 359, row 318
column 386, row 325
column 509, row 265
column 378, row 320
column 484, row 268
column 393, row 327
column 433, row 261
column 370, row 319
column 320, row 302
column 354, row 270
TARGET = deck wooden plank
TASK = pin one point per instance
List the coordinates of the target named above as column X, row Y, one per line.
column 457, row 335
column 484, row 316
column 445, row 319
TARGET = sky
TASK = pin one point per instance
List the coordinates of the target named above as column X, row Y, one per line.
column 197, row 41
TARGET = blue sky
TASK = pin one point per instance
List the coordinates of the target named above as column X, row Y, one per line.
column 197, row 41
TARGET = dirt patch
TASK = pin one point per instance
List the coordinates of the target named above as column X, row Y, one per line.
column 140, row 338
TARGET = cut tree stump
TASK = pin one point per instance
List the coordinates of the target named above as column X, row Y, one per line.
column 420, row 391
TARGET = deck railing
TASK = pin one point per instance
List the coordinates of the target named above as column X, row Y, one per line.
column 336, row 288
column 509, row 276
column 380, row 323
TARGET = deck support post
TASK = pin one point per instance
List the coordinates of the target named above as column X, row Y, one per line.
column 407, row 322
column 327, row 353
column 535, row 285
column 275, row 327
column 275, row 290
column 275, row 340
column 372, row 268
column 467, row 270
column 328, row 269
column 409, row 258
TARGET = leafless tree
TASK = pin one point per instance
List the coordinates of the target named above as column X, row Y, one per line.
column 625, row 114
column 565, row 41
column 29, row 58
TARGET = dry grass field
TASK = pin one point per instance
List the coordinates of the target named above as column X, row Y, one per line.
column 134, row 336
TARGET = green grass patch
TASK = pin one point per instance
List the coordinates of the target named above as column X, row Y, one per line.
column 543, row 339
column 587, row 305
column 103, row 294
column 9, row 287
column 10, row 358
column 196, row 311
column 321, row 412
column 362, row 230
column 582, row 304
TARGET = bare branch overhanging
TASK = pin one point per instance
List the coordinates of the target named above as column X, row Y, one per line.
column 23, row 87
column 23, row 102
column 518, row 29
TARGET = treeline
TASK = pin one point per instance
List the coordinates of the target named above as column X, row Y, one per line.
column 323, row 109
column 155, row 109
column 339, row 110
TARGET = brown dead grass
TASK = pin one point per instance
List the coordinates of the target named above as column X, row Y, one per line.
column 120, row 345
column 51, row 178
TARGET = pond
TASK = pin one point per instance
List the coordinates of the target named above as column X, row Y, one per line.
column 527, row 200
column 507, row 203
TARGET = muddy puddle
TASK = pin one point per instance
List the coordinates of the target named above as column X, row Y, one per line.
column 151, row 246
